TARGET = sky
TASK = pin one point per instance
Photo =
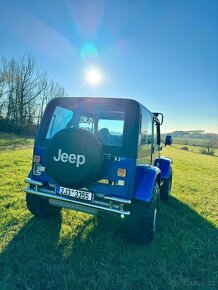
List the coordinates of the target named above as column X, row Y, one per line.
column 164, row 54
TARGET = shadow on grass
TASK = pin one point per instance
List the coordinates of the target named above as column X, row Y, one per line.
column 44, row 255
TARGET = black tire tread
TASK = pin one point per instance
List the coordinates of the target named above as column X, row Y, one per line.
column 166, row 187
column 140, row 224
column 40, row 207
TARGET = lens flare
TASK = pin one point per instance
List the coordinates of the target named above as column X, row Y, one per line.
column 93, row 76
column 88, row 52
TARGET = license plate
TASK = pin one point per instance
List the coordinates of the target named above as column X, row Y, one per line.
column 74, row 193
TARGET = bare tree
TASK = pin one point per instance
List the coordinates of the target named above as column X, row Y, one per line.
column 25, row 91
column 53, row 90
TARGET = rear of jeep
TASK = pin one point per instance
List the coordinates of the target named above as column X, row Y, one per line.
column 87, row 158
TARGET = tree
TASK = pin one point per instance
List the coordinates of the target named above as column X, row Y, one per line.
column 25, row 91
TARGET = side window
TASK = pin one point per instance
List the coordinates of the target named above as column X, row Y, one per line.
column 156, row 133
column 60, row 118
column 146, row 129
column 144, row 151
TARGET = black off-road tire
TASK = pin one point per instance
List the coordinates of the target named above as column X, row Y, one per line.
column 165, row 189
column 41, row 207
column 143, row 218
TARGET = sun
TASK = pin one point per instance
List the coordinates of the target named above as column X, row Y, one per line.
column 94, row 76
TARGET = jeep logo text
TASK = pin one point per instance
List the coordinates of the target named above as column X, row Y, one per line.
column 72, row 158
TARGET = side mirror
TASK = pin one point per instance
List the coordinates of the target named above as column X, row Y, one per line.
column 168, row 140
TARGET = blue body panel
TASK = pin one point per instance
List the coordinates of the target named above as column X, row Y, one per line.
column 144, row 182
column 44, row 177
column 109, row 172
column 164, row 164
column 125, row 191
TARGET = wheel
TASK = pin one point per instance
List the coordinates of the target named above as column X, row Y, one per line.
column 40, row 207
column 165, row 189
column 143, row 218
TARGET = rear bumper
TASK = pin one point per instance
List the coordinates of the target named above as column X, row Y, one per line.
column 108, row 204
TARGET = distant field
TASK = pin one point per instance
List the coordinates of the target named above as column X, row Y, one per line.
column 195, row 149
column 190, row 141
column 11, row 141
column 195, row 145
column 74, row 251
column 201, row 142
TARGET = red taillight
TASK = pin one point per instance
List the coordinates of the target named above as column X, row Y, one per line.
column 36, row 159
column 121, row 172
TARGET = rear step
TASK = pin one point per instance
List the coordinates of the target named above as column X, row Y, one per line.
column 77, row 207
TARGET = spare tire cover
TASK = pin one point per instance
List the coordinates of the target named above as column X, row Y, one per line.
column 74, row 157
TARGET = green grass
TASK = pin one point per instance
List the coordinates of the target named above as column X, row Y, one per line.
column 190, row 141
column 195, row 149
column 74, row 251
column 11, row 141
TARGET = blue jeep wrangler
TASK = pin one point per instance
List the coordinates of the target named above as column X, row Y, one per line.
column 100, row 155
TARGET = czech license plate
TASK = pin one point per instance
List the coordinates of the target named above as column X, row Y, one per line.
column 74, row 193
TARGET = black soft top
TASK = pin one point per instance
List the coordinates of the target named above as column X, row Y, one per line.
column 98, row 105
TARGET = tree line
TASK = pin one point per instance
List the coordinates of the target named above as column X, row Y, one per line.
column 25, row 90
column 192, row 134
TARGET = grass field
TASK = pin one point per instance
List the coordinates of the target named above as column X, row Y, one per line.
column 189, row 141
column 202, row 142
column 195, row 149
column 74, row 251
column 10, row 141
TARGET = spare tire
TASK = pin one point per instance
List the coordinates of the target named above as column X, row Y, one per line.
column 74, row 158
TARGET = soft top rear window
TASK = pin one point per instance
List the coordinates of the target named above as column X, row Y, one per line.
column 107, row 125
column 60, row 118
column 119, row 117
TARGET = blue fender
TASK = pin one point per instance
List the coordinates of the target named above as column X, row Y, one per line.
column 145, row 179
column 164, row 164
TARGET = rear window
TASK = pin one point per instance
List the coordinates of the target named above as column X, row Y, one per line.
column 113, row 131
column 60, row 119
column 107, row 126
